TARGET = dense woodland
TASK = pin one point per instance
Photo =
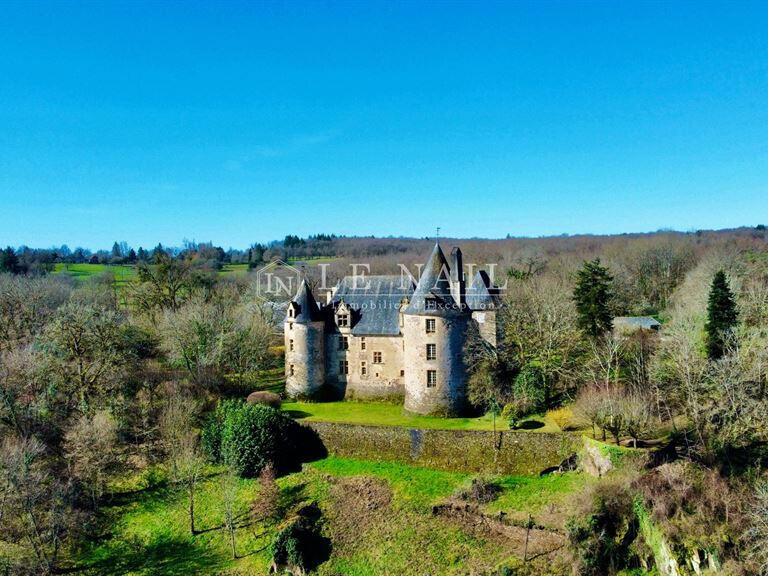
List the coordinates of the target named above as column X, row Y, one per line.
column 97, row 383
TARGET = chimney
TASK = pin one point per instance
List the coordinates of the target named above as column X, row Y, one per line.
column 457, row 276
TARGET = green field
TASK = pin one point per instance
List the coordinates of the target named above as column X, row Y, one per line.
column 377, row 515
column 233, row 270
column 81, row 272
column 386, row 414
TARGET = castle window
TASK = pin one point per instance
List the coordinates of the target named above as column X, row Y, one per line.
column 363, row 369
column 343, row 367
column 377, row 357
column 291, row 371
column 430, row 325
column 343, row 320
column 290, row 326
column 290, row 312
column 362, row 343
column 343, row 343
column 290, row 345
column 402, row 373
column 431, row 378
column 431, row 351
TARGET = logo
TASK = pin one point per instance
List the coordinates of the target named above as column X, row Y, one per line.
column 278, row 281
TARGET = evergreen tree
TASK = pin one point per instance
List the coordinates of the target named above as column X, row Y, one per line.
column 117, row 253
column 132, row 256
column 592, row 295
column 9, row 262
column 721, row 315
column 142, row 255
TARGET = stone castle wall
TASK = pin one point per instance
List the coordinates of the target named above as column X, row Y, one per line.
column 486, row 324
column 383, row 380
column 448, row 396
column 305, row 355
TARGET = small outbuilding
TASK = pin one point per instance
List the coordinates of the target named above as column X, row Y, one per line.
column 625, row 324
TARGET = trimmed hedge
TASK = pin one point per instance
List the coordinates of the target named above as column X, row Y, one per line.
column 247, row 437
column 214, row 426
column 254, row 436
column 509, row 452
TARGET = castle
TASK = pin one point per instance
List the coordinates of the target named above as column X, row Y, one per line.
column 386, row 336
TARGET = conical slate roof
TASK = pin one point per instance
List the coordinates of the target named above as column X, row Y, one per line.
column 435, row 282
column 307, row 309
column 479, row 295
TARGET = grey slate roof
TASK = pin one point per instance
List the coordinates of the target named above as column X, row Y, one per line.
column 481, row 294
column 308, row 310
column 630, row 322
column 375, row 302
column 435, row 282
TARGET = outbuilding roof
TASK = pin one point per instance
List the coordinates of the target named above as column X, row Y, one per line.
column 633, row 322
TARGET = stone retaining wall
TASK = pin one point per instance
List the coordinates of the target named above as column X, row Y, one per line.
column 510, row 452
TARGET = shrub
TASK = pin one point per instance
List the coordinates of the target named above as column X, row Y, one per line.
column 214, row 426
column 563, row 417
column 265, row 398
column 481, row 490
column 528, row 391
column 601, row 533
column 511, row 413
column 254, row 436
column 290, row 545
column 299, row 546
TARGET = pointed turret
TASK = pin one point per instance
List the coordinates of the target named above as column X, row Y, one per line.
column 304, row 345
column 479, row 296
column 434, row 328
column 433, row 293
column 303, row 308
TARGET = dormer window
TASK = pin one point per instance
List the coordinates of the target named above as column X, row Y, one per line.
column 343, row 320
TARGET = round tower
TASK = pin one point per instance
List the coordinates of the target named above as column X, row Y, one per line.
column 304, row 329
column 434, row 330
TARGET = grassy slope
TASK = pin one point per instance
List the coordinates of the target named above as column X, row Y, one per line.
column 146, row 528
column 384, row 414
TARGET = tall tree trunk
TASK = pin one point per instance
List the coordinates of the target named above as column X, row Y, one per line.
column 192, row 508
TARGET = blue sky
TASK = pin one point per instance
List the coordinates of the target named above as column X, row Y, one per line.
column 242, row 122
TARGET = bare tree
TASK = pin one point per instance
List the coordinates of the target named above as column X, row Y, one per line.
column 638, row 416
column 30, row 502
column 758, row 529
column 190, row 465
column 265, row 505
column 84, row 345
column 539, row 328
column 89, row 447
column 176, row 422
column 228, row 501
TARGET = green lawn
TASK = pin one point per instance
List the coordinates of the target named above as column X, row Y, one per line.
column 386, row 414
column 80, row 272
column 145, row 531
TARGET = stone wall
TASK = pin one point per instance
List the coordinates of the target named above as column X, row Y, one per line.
column 448, row 396
column 511, row 452
column 305, row 355
column 383, row 380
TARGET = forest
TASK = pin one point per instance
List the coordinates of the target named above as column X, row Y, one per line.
column 120, row 397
